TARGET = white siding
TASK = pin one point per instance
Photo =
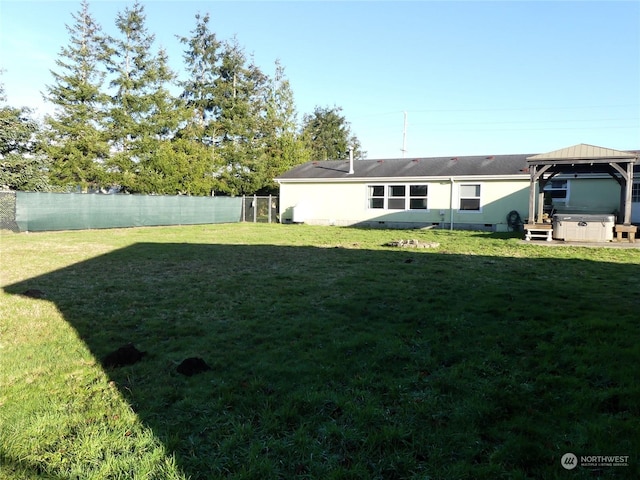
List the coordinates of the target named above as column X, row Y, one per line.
column 346, row 203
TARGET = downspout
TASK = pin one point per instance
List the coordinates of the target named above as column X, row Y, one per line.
column 451, row 205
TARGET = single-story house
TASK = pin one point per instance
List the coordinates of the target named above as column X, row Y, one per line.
column 482, row 192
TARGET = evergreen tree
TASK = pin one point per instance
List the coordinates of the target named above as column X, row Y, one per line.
column 22, row 165
column 247, row 118
column 201, row 59
column 284, row 147
column 328, row 135
column 195, row 140
column 238, row 114
column 77, row 146
column 143, row 114
column 182, row 166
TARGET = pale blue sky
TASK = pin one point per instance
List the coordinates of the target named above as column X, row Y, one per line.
column 474, row 77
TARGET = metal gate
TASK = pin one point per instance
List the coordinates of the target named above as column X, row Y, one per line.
column 260, row 209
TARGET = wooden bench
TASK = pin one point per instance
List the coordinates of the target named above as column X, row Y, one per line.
column 538, row 230
column 630, row 230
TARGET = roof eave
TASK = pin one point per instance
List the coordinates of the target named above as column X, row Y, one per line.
column 353, row 179
column 581, row 160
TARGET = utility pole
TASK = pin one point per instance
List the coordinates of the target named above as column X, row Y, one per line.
column 404, row 135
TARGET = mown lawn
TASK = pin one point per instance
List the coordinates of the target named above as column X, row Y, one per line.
column 331, row 355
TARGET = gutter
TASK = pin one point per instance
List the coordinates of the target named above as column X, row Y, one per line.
column 351, row 179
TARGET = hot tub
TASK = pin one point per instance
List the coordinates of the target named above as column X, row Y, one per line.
column 583, row 227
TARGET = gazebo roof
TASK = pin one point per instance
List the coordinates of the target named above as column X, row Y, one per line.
column 582, row 153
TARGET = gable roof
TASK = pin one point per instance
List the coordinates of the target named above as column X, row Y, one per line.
column 401, row 168
column 582, row 151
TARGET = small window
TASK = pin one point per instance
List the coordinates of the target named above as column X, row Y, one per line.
column 635, row 193
column 376, row 196
column 556, row 190
column 417, row 197
column 397, row 195
column 470, row 198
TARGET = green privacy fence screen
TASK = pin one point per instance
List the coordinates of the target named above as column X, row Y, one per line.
column 76, row 211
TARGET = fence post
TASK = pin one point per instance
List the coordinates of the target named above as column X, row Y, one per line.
column 255, row 208
column 242, row 210
column 269, row 209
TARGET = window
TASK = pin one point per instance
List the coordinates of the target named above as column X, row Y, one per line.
column 397, row 194
column 398, row 197
column 376, row 196
column 417, row 197
column 635, row 193
column 556, row 191
column 470, row 198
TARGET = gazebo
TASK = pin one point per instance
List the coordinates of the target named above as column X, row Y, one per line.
column 577, row 160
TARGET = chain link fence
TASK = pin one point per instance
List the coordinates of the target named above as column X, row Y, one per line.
column 8, row 211
column 260, row 209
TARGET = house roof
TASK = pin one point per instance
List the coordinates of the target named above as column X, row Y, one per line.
column 480, row 165
column 583, row 152
column 445, row 167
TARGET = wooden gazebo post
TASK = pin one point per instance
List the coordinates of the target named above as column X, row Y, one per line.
column 532, row 194
column 628, row 194
column 535, row 227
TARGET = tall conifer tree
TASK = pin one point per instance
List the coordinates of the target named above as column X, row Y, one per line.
column 284, row 147
column 201, row 59
column 196, row 138
column 328, row 135
column 77, row 145
column 143, row 114
column 240, row 95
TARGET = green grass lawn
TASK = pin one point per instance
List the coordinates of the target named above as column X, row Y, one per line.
column 332, row 355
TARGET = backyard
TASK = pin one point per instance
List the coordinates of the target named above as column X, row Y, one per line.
column 330, row 355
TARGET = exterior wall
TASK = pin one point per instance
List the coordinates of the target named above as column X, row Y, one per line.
column 592, row 195
column 346, row 203
column 497, row 199
column 323, row 204
column 343, row 204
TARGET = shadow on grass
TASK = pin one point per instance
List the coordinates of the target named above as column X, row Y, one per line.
column 339, row 362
